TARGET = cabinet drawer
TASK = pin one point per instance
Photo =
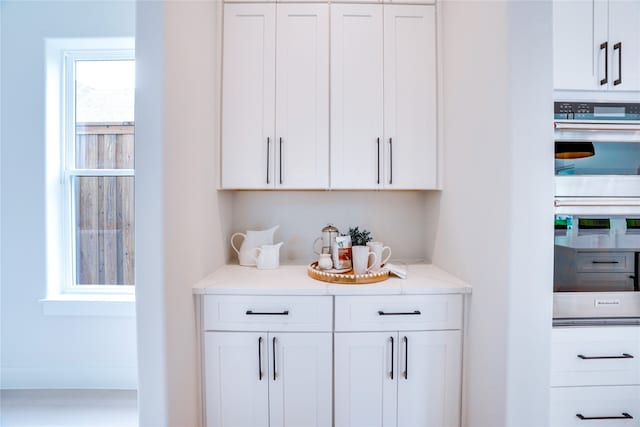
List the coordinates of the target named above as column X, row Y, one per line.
column 398, row 312
column 267, row 313
column 604, row 261
column 596, row 405
column 595, row 356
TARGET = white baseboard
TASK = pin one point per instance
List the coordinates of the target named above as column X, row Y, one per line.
column 122, row 378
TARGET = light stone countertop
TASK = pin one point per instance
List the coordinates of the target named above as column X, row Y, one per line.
column 293, row 280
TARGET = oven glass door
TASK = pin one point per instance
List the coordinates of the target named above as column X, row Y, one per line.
column 597, row 160
column 596, row 261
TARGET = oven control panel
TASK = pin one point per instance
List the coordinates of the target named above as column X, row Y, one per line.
column 596, row 111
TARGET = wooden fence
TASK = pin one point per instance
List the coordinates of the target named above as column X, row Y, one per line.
column 105, row 251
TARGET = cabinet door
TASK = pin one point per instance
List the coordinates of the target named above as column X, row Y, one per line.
column 356, row 96
column 300, row 379
column 429, row 378
column 236, row 381
column 624, row 42
column 302, row 96
column 410, row 152
column 248, row 96
column 579, row 29
column 366, row 372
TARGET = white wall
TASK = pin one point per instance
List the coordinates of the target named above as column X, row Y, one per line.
column 488, row 226
column 38, row 350
column 495, row 218
column 395, row 218
column 183, row 219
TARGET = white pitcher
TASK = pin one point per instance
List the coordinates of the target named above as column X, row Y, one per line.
column 252, row 239
column 268, row 256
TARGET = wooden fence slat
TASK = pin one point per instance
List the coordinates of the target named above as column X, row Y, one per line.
column 88, row 242
column 105, row 207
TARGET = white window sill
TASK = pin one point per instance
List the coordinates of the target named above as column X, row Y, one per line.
column 89, row 305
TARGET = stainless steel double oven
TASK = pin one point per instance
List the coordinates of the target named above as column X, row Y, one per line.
column 597, row 213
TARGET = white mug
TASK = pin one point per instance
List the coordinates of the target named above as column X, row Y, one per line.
column 378, row 248
column 360, row 257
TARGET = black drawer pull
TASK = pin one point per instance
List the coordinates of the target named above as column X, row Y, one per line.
column 605, row 46
column 391, row 373
column 624, row 416
column 260, row 358
column 605, row 262
column 412, row 313
column 260, row 313
column 624, row 356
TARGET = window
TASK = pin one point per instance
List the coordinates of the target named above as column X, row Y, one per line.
column 95, row 197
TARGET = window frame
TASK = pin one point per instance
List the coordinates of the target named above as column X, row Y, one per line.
column 69, row 172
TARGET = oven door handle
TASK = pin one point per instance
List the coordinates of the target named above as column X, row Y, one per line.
column 601, row 125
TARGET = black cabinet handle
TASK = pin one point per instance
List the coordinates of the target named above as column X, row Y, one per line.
column 623, row 416
column 378, row 148
column 406, row 358
column 260, row 358
column 268, row 151
column 390, row 160
column 264, row 313
column 391, row 373
column 280, row 160
column 412, row 313
column 605, row 46
column 274, row 358
column 623, row 356
column 605, row 262
column 618, row 46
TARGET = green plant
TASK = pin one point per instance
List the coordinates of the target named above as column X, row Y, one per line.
column 359, row 237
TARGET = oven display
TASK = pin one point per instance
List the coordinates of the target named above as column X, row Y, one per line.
column 613, row 112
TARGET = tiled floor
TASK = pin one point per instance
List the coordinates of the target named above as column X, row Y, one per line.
column 68, row 408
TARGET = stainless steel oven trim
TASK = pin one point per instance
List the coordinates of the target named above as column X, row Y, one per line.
column 600, row 186
column 581, row 305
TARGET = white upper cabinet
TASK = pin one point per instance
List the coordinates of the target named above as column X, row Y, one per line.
column 624, row 33
column 356, row 96
column 596, row 45
column 248, row 99
column 302, row 96
column 383, row 97
column 410, row 150
column 275, row 96
column 278, row 129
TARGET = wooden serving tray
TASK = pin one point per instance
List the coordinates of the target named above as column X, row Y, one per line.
column 347, row 278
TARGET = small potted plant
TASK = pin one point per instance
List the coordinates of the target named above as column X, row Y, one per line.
column 359, row 237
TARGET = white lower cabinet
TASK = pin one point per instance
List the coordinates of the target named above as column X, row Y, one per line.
column 397, row 360
column 268, row 379
column 345, row 361
column 236, row 379
column 595, row 376
column 267, row 360
column 397, row 379
column 595, row 406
